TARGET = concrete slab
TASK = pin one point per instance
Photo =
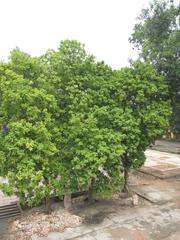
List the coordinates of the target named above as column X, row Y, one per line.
column 156, row 195
column 154, row 158
column 115, row 233
column 167, row 146
column 161, row 164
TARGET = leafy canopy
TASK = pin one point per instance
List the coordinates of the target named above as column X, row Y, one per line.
column 69, row 123
column 142, row 93
column 156, row 36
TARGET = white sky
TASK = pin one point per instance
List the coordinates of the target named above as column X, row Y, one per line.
column 104, row 26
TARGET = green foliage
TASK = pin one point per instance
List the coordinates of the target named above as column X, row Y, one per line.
column 88, row 141
column 29, row 155
column 69, row 122
column 143, row 96
column 58, row 132
column 157, row 35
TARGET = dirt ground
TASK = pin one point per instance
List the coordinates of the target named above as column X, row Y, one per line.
column 155, row 216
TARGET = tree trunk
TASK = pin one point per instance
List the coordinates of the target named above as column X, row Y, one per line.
column 67, row 201
column 90, row 192
column 47, row 204
column 125, row 187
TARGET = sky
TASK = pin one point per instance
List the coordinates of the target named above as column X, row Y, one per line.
column 104, row 26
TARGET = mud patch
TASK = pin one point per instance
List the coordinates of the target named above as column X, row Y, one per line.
column 96, row 218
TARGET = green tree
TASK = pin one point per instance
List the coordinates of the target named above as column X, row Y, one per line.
column 69, row 123
column 23, row 64
column 157, row 37
column 91, row 145
column 59, row 126
column 28, row 151
column 142, row 93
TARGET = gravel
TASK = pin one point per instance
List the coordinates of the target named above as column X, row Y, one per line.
column 41, row 224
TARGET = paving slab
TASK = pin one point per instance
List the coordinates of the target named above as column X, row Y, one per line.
column 161, row 164
column 159, row 193
column 167, row 146
column 115, row 233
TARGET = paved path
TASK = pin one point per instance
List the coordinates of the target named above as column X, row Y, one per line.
column 154, row 224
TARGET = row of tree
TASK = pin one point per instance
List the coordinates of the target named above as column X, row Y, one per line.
column 70, row 123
